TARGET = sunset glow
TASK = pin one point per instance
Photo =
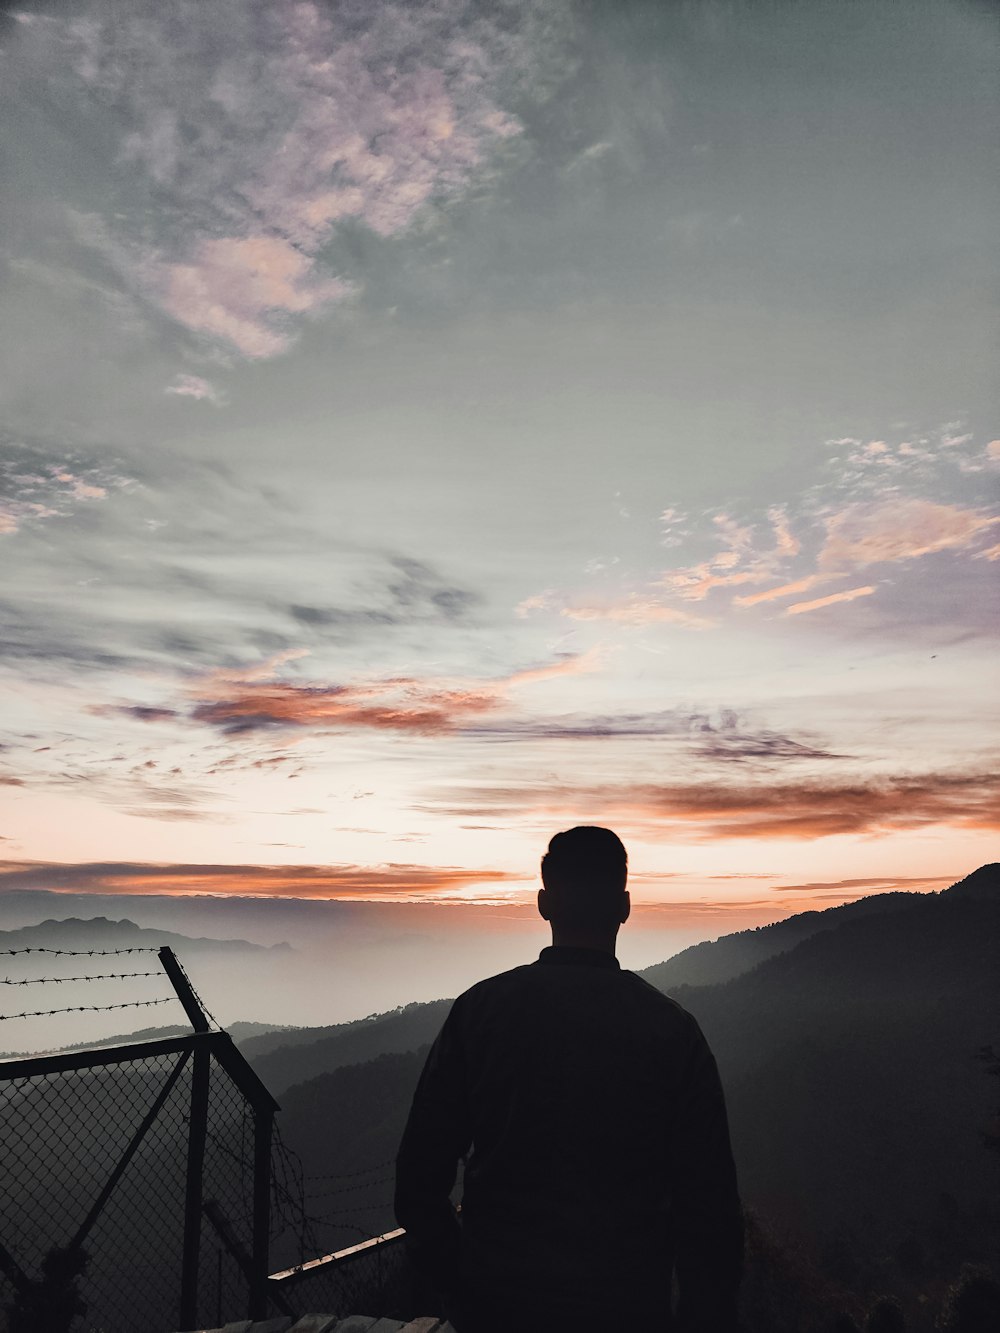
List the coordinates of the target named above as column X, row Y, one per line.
column 426, row 431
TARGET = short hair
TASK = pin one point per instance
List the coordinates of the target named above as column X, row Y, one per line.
column 584, row 872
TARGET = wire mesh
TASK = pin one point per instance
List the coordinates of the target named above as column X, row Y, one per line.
column 65, row 1135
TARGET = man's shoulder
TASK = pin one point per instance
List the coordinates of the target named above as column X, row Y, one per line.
column 528, row 975
column 656, row 1000
column 499, row 982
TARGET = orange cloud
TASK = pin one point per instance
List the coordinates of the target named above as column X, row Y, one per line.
column 798, row 608
column 884, row 884
column 393, row 881
column 784, row 590
column 244, row 701
column 704, row 811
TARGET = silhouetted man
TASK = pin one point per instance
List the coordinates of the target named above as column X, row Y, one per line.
column 590, row 1112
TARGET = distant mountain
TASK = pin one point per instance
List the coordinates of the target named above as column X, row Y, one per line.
column 849, row 1058
column 281, row 1062
column 240, row 1033
column 100, row 933
column 982, row 883
column 850, row 1063
column 713, row 961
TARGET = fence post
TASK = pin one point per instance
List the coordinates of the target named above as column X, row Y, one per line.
column 263, row 1124
column 197, row 1133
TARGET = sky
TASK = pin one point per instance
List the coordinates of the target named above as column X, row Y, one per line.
column 427, row 426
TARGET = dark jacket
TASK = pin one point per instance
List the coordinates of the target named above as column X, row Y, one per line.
column 600, row 1159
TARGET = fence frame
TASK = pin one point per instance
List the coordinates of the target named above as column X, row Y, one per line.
column 203, row 1047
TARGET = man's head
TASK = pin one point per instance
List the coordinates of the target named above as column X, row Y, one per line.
column 584, row 873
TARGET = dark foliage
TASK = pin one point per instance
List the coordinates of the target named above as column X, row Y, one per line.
column 317, row 1051
column 50, row 1303
column 972, row 1304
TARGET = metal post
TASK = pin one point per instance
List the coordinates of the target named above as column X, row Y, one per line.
column 197, row 1131
column 263, row 1124
column 178, row 979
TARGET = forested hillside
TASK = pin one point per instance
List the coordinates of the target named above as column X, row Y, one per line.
column 315, row 1051
column 857, row 1096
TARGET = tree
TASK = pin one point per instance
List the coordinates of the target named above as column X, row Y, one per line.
column 971, row 1304
column 886, row 1316
column 50, row 1304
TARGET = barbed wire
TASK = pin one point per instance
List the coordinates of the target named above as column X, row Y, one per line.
column 366, row 1232
column 204, row 1007
column 351, row 1175
column 350, row 1189
column 289, row 1194
column 79, row 953
column 92, row 976
column 334, row 1218
column 85, row 1008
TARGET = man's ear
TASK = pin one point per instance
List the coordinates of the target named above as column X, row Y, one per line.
column 543, row 904
column 626, row 907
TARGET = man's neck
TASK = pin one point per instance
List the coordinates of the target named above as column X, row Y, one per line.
column 602, row 942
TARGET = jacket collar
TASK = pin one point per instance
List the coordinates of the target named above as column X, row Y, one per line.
column 586, row 957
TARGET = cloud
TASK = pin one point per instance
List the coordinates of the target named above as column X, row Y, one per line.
column 875, row 506
column 259, row 127
column 636, row 611
column 193, row 386
column 249, row 700
column 37, row 484
column 141, row 712
column 705, row 811
column 232, row 288
column 782, row 590
column 884, row 884
column 799, row 608
column 900, row 529
column 723, row 737
column 387, row 881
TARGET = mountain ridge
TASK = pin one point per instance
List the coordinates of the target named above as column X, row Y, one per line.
column 105, row 933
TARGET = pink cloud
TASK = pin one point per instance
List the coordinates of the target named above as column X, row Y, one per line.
column 637, row 611
column 252, row 700
column 233, row 287
column 266, row 123
column 783, row 590
column 798, row 608
column 193, row 386
column 900, row 529
column 51, row 491
column 739, row 562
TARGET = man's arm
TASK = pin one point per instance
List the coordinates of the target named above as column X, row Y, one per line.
column 437, row 1135
column 708, row 1218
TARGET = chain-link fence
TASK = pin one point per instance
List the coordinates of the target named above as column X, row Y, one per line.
column 146, row 1188
column 136, row 1181
column 146, row 1160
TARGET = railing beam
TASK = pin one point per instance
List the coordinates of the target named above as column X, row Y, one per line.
column 263, row 1126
